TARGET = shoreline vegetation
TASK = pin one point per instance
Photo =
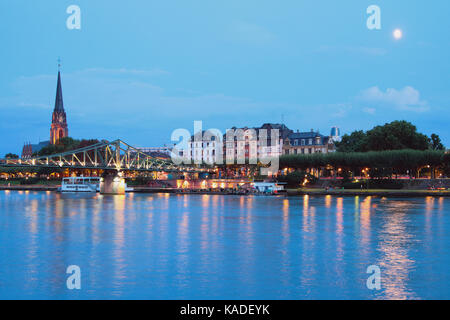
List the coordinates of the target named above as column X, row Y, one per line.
column 374, row 164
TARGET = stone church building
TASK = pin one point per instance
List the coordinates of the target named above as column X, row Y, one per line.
column 58, row 129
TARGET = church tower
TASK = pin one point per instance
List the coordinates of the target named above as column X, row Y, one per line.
column 59, row 128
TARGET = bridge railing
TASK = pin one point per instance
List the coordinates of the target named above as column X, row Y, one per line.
column 116, row 155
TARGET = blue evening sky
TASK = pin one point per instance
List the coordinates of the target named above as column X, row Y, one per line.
column 137, row 70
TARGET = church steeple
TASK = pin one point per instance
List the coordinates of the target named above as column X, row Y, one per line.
column 59, row 105
column 59, row 127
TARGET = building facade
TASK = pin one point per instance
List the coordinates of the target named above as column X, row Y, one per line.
column 248, row 145
column 237, row 146
column 308, row 143
column 29, row 149
column 205, row 149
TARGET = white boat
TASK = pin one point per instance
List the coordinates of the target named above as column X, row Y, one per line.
column 80, row 184
column 268, row 187
column 83, row 184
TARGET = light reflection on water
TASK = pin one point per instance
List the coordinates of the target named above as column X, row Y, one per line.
column 226, row 247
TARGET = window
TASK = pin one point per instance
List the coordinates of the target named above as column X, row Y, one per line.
column 310, row 141
column 303, row 142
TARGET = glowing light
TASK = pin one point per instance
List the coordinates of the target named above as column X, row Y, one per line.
column 398, row 34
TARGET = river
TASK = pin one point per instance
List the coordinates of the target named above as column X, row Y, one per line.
column 162, row 246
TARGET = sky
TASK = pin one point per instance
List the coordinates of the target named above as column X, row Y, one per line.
column 137, row 70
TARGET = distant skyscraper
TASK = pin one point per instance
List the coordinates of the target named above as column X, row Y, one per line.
column 335, row 134
column 59, row 127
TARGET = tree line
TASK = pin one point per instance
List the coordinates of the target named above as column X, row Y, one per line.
column 382, row 163
column 384, row 151
column 65, row 144
column 397, row 135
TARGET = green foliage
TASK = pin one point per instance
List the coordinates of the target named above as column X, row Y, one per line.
column 382, row 163
column 11, row 156
column 397, row 135
column 355, row 142
column 296, row 178
column 48, row 171
column 374, row 184
column 65, row 144
column 446, row 164
column 17, row 170
column 436, row 143
column 139, row 181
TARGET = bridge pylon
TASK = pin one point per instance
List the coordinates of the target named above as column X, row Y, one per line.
column 112, row 183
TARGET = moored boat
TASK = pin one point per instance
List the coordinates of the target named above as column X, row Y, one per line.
column 80, row 184
column 83, row 184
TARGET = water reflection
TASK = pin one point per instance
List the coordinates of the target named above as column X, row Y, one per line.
column 394, row 243
column 210, row 246
column 308, row 259
column 364, row 219
column 119, row 265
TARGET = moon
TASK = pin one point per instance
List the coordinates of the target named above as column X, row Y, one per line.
column 398, row 34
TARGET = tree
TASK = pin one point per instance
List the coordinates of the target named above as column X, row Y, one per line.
column 396, row 135
column 297, row 178
column 355, row 142
column 436, row 143
column 381, row 163
column 65, row 144
column 11, row 156
column 446, row 164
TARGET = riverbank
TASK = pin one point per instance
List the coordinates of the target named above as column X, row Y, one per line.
column 370, row 192
column 136, row 189
column 289, row 192
column 29, row 187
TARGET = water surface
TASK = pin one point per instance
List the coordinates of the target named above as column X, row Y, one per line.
column 161, row 246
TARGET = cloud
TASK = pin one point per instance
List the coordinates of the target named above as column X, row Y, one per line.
column 406, row 99
column 369, row 110
column 250, row 33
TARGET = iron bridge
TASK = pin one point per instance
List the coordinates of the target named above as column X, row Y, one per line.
column 116, row 155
